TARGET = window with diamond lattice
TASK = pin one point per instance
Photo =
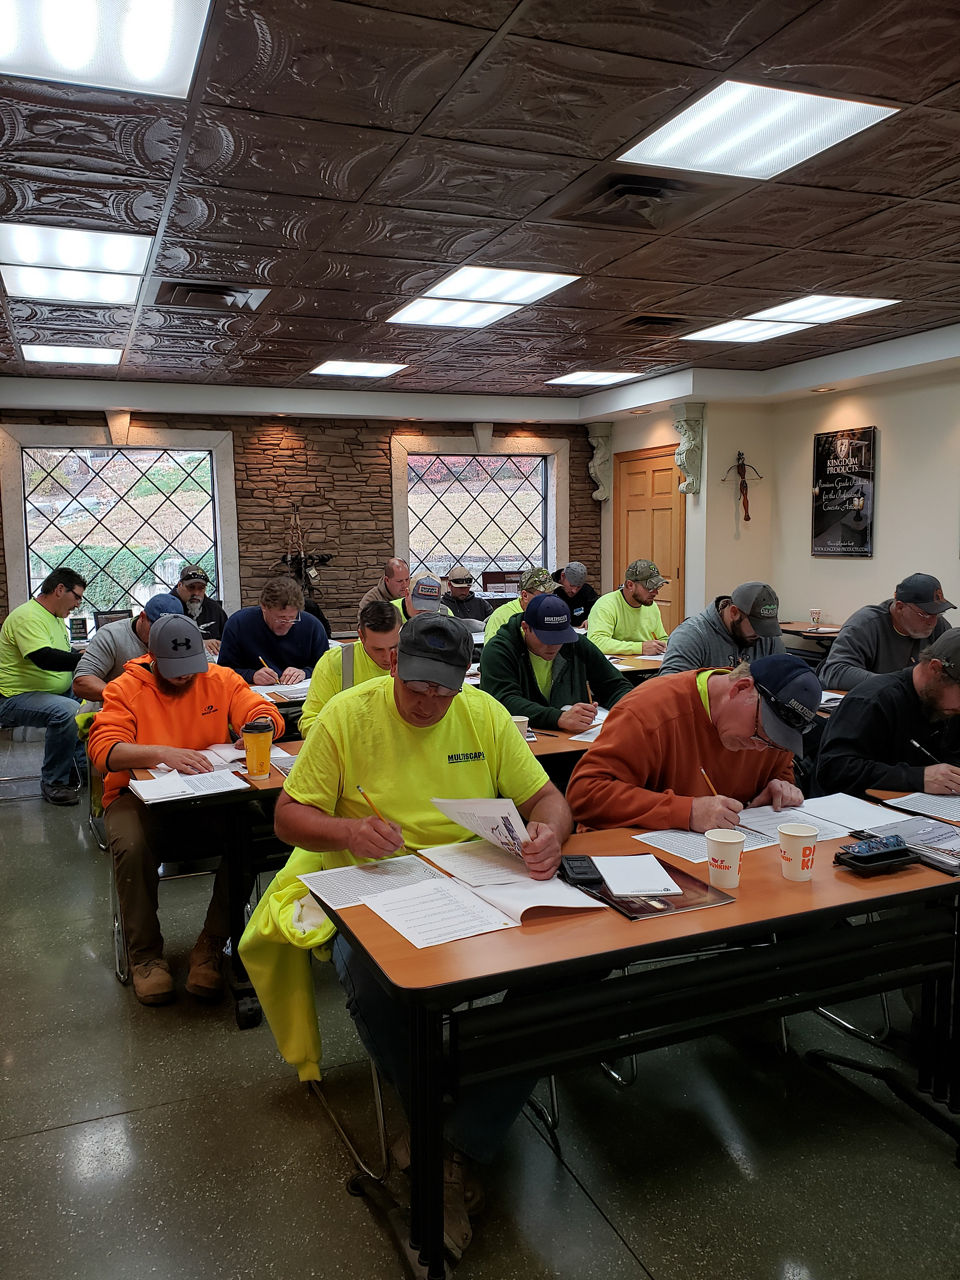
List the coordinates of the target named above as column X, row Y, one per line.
column 485, row 511
column 126, row 519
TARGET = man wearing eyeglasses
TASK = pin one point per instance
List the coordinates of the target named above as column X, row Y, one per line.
column 674, row 741
column 900, row 731
column 462, row 602
column 886, row 637
column 274, row 642
column 36, row 674
column 417, row 733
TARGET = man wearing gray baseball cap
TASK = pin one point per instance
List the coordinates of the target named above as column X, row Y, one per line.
column 166, row 709
column 737, row 627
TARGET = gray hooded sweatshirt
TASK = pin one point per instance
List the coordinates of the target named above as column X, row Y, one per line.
column 703, row 641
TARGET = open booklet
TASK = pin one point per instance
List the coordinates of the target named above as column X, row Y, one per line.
column 182, row 786
column 490, row 890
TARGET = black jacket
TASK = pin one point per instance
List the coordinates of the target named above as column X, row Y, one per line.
column 581, row 603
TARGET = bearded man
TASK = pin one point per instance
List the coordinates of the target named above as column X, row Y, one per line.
column 735, row 628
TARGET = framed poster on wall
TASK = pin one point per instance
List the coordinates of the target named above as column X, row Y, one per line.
column 843, row 478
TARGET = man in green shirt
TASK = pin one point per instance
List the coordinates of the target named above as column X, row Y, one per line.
column 535, row 582
column 36, row 674
column 628, row 620
column 351, row 664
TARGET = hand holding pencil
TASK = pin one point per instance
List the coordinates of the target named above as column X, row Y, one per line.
column 709, row 812
column 374, row 837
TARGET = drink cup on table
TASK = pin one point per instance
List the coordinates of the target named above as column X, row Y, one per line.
column 815, row 616
column 724, row 857
column 798, row 845
column 257, row 741
column 522, row 723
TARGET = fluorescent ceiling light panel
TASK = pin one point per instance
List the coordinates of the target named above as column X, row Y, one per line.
column 590, row 378
column 743, row 331
column 139, row 46
column 51, row 285
column 73, row 355
column 456, row 315
column 356, row 369
column 34, row 246
column 753, row 131
column 489, row 284
column 821, row 308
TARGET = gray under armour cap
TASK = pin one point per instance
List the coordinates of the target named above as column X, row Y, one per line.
column 177, row 646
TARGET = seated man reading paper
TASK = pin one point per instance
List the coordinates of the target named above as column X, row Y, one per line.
column 405, row 738
column 689, row 751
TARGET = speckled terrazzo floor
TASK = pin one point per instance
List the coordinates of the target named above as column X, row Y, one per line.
column 166, row 1143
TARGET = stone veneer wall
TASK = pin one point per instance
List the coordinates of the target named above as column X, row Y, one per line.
column 339, row 472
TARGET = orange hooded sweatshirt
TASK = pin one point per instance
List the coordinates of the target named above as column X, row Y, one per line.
column 136, row 710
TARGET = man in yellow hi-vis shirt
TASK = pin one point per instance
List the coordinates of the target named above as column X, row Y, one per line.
column 344, row 666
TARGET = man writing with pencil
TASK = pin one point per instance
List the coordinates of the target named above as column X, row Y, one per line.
column 691, row 750
column 274, row 642
column 898, row 732
column 361, row 789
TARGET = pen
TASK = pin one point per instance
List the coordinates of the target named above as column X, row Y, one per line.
column 370, row 803
column 708, row 782
column 924, row 751
column 542, row 733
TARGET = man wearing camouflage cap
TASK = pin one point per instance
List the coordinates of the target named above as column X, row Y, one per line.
column 533, row 582
column 628, row 620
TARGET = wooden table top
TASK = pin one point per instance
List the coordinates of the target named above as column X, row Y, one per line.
column 825, row 631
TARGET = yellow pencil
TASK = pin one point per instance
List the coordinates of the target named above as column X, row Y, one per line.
column 265, row 664
column 709, row 783
column 370, row 803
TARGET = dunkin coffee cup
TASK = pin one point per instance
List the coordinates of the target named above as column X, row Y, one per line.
column 798, row 844
column 257, row 741
column 724, row 857
column 522, row 723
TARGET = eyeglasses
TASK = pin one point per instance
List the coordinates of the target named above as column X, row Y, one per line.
column 429, row 687
column 77, row 595
column 461, row 582
column 791, row 713
column 278, row 618
column 758, row 735
column 924, row 613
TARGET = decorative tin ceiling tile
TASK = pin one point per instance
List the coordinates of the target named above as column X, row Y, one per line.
column 332, row 304
column 925, row 281
column 72, row 317
column 804, row 271
column 275, row 153
column 168, row 361
column 341, row 62
column 371, row 275
column 913, row 229
column 162, row 346
column 531, row 246
column 228, row 262
column 890, row 49
column 252, row 217
column 170, row 323
column 280, row 329
column 460, row 177
column 786, row 216
column 692, row 261
column 555, row 321
column 610, row 293
column 106, row 203
column 723, row 299
column 557, row 98
column 474, row 13
column 407, row 233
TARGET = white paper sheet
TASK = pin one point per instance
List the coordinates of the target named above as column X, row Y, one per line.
column 436, row 912
column 593, row 733
column 503, row 881
column 478, row 862
column 349, row 886
column 933, row 806
column 638, row 875
column 849, row 813
column 692, row 845
column 178, row 786
column 288, row 692
column 766, row 819
column 495, row 820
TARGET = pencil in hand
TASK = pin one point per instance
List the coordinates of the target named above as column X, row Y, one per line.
column 376, row 811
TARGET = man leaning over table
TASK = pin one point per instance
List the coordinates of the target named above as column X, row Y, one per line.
column 417, row 733
column 164, row 710
column 735, row 628
column 628, row 620
column 899, row 731
column 274, row 642
column 116, row 644
column 351, row 664
column 741, row 728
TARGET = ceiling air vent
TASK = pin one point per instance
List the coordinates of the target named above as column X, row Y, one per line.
column 626, row 200
column 649, row 326
column 208, row 297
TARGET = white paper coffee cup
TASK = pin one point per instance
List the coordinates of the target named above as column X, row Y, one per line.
column 522, row 723
column 798, row 845
column 724, row 857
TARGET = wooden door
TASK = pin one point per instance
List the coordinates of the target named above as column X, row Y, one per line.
column 648, row 522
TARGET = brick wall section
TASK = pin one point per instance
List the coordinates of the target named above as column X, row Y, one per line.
column 339, row 472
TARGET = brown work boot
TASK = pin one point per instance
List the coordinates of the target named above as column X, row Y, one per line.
column 457, row 1232
column 205, row 979
column 152, row 983
column 474, row 1197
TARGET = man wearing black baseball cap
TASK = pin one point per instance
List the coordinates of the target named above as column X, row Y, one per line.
column 206, row 612
column 538, row 666
column 739, row 627
column 889, row 636
column 361, row 790
column 740, row 729
column 899, row 731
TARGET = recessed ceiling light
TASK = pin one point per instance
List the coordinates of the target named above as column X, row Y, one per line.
column 133, row 45
column 52, row 285
column 590, row 378
column 639, row 411
column 821, row 308
column 456, row 315
column 489, row 284
column 823, row 389
column 36, row 246
column 743, row 331
column 73, row 355
column 753, row 131
column 356, row 369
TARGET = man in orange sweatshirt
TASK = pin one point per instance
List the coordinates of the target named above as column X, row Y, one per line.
column 166, row 709
column 740, row 728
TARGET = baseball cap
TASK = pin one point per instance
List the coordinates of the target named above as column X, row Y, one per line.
column 165, row 602
column 789, row 698
column 436, row 648
column 645, row 572
column 537, row 580
column 576, row 573
column 193, row 573
column 947, row 649
column 759, row 602
column 459, row 574
column 548, row 617
column 425, row 593
column 924, row 591
column 177, row 646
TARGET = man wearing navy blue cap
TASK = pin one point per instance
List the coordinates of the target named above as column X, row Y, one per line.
column 115, row 644
column 537, row 665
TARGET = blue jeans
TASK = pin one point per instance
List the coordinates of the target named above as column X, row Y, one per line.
column 57, row 714
column 479, row 1116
